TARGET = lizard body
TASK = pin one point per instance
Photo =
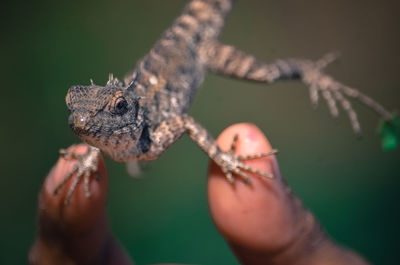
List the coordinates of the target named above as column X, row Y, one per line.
column 139, row 117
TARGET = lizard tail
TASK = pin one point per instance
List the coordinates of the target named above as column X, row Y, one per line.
column 205, row 17
column 219, row 6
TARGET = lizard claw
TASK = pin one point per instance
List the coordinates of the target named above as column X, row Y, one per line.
column 233, row 164
column 86, row 164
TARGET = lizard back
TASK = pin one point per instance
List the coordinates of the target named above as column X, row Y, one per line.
column 168, row 77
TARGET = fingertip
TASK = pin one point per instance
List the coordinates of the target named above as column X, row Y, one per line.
column 245, row 213
column 251, row 140
column 81, row 211
column 76, row 232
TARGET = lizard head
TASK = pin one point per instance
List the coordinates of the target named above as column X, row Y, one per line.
column 106, row 117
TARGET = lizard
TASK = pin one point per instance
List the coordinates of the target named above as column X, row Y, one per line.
column 139, row 117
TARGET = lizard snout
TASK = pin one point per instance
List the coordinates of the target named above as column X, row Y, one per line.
column 77, row 120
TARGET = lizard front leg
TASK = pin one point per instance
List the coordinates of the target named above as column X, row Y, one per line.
column 227, row 60
column 85, row 166
column 171, row 130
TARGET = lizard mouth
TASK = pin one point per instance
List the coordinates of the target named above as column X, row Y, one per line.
column 78, row 124
column 81, row 127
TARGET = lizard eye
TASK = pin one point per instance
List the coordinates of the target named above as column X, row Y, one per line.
column 119, row 106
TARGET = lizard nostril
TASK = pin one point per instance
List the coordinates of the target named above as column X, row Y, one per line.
column 78, row 120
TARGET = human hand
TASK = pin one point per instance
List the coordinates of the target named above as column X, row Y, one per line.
column 78, row 232
column 264, row 222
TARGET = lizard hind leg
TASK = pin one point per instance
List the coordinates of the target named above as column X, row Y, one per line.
column 227, row 60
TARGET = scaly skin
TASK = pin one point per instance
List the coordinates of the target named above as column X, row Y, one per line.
column 140, row 117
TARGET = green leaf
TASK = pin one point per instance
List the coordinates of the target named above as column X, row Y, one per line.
column 390, row 133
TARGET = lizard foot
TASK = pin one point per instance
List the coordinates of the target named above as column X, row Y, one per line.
column 336, row 93
column 86, row 164
column 233, row 164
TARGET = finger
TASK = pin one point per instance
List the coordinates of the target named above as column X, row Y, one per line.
column 258, row 219
column 76, row 233
column 82, row 211
column 255, row 215
column 264, row 223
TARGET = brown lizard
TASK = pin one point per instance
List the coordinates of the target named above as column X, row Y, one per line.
column 140, row 117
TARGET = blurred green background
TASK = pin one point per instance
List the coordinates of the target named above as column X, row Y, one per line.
column 350, row 185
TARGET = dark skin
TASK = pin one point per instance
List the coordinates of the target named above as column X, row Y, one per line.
column 264, row 223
